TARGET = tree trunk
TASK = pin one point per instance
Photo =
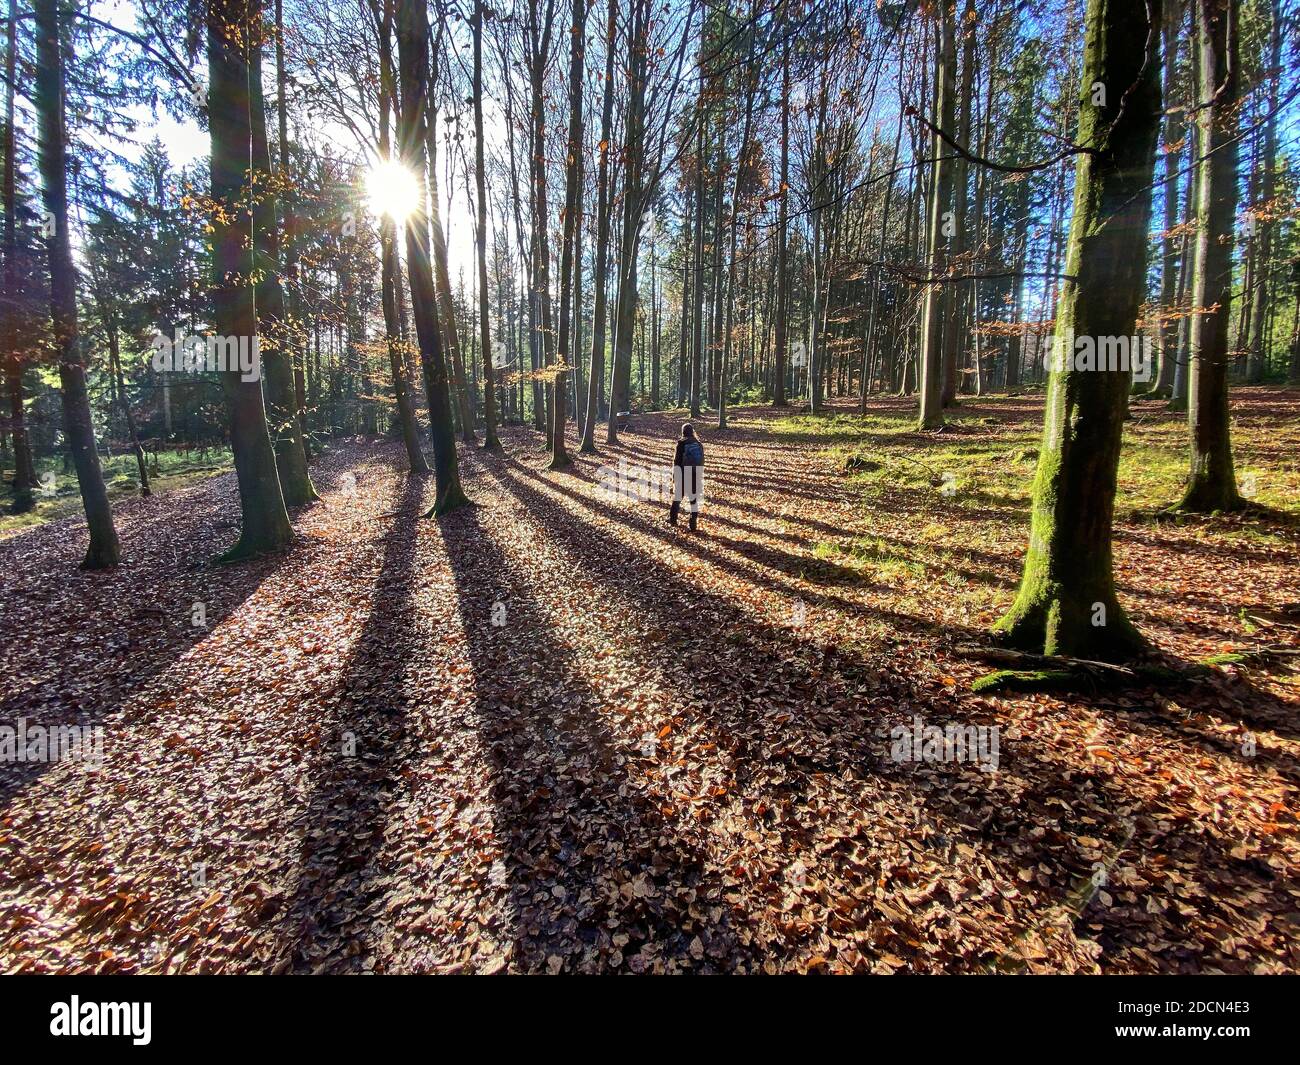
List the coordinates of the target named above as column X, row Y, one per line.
column 1015, row 342
column 1293, row 370
column 932, row 317
column 816, row 184
column 292, row 295
column 115, row 368
column 957, row 292
column 633, row 188
column 1212, row 484
column 413, row 63
column 596, row 371
column 265, row 523
column 654, row 326
column 1066, row 603
column 390, row 267
column 1257, row 335
column 544, row 335
column 78, row 427
column 24, row 468
column 442, row 277
column 490, row 441
column 750, row 88
column 577, row 49
column 873, row 327
column 683, row 345
column 275, row 344
column 1173, row 132
column 1186, row 268
column 697, row 345
column 578, row 391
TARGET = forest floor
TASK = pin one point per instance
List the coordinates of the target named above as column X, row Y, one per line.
column 550, row 733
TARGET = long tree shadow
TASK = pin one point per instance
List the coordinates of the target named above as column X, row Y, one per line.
column 588, row 853
column 702, row 549
column 832, row 735
column 329, row 924
column 139, row 619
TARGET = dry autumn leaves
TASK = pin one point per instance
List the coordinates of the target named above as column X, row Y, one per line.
column 549, row 733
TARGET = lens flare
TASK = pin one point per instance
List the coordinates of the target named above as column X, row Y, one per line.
column 392, row 190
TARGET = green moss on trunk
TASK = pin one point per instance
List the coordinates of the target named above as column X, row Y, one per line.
column 1066, row 603
column 273, row 326
column 1212, row 483
column 265, row 522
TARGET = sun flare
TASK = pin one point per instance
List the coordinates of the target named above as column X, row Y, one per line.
column 392, row 190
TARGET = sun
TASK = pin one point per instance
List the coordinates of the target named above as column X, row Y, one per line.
column 392, row 190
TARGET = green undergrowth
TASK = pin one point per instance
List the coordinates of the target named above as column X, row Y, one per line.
column 59, row 497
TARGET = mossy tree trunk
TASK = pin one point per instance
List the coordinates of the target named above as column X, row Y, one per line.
column 1066, row 603
column 413, row 63
column 1212, row 483
column 273, row 325
column 265, row 522
column 78, row 427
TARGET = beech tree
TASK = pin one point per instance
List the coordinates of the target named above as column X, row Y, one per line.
column 383, row 11
column 442, row 272
column 782, row 232
column 490, row 441
column 1066, row 603
column 413, row 53
column 599, row 310
column 568, row 265
column 14, row 364
column 274, row 327
column 1212, row 484
column 233, row 26
column 940, row 229
column 78, row 424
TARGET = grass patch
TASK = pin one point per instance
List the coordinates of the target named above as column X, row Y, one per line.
column 59, row 497
column 872, row 558
column 980, row 462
